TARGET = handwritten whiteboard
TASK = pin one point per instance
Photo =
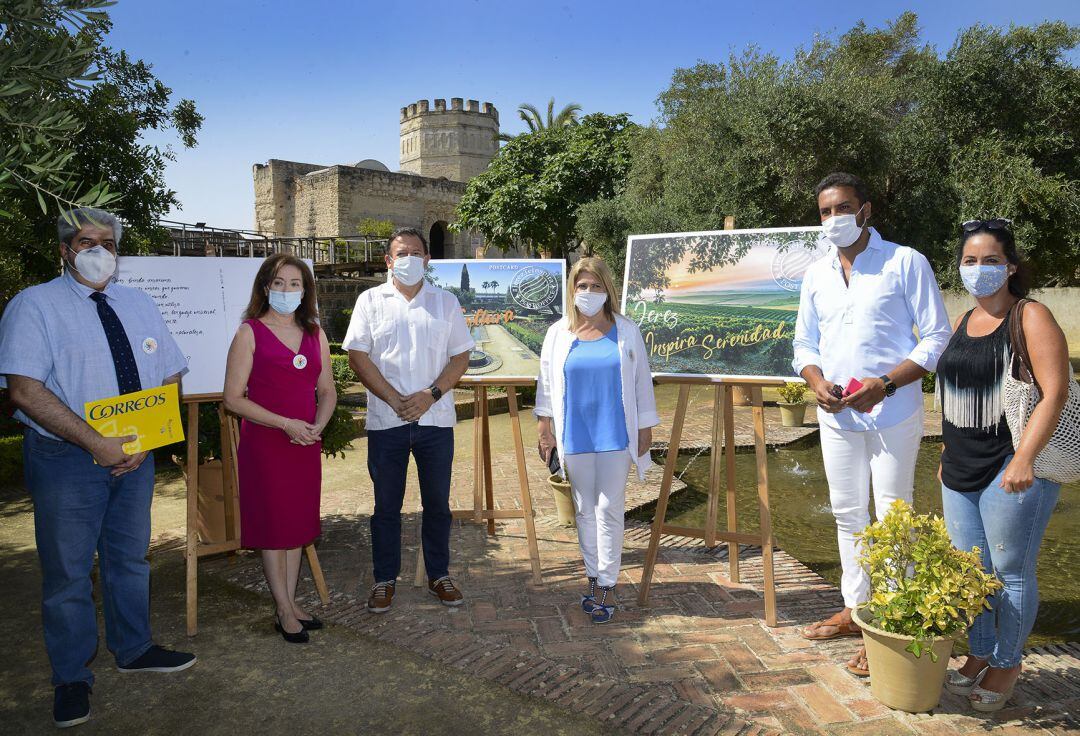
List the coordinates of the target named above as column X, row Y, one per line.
column 202, row 301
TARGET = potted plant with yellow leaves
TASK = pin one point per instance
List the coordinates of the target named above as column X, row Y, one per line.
column 924, row 593
column 792, row 406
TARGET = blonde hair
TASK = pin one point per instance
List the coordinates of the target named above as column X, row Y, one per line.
column 596, row 267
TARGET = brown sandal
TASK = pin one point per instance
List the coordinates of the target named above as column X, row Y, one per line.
column 843, row 628
column 855, row 669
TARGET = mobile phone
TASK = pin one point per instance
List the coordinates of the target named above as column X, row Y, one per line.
column 853, row 386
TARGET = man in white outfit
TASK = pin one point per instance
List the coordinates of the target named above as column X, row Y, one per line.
column 858, row 312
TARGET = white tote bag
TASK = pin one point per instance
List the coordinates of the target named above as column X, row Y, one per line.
column 1059, row 461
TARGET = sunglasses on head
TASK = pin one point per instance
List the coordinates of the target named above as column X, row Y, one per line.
column 997, row 223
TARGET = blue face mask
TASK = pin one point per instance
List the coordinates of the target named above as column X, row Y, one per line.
column 285, row 302
column 984, row 280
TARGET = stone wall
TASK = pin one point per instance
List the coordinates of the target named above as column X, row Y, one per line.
column 336, row 294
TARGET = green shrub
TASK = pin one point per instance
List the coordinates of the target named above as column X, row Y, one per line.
column 929, row 382
column 11, row 459
column 339, row 323
column 343, row 372
column 336, row 349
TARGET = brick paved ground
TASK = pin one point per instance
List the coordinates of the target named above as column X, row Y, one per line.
column 697, row 660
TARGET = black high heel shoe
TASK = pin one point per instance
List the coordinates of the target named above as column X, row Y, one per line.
column 310, row 624
column 300, row 637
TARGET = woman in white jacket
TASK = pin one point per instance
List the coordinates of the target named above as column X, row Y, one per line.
column 596, row 410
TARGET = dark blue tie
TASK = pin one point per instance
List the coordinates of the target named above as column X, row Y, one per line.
column 127, row 372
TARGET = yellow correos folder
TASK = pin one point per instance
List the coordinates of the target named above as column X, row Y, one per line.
column 153, row 415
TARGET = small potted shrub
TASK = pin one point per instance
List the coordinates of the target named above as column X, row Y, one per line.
column 924, row 594
column 792, row 407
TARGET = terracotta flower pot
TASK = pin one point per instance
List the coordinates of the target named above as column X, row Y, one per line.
column 740, row 396
column 564, row 501
column 792, row 415
column 898, row 678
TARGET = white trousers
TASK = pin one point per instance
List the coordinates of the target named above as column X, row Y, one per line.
column 852, row 460
column 598, row 485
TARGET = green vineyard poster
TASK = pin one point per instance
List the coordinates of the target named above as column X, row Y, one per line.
column 720, row 303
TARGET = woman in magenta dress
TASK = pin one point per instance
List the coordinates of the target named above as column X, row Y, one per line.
column 278, row 380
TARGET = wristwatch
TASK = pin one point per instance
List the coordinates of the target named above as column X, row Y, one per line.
column 436, row 392
column 890, row 387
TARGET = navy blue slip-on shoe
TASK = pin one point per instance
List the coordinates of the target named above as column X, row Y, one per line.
column 71, row 704
column 159, row 659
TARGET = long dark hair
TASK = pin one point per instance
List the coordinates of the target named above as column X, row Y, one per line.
column 307, row 314
column 1019, row 282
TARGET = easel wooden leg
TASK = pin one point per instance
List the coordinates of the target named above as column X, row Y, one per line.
column 729, row 460
column 523, row 481
column 665, row 491
column 763, row 506
column 713, row 505
column 229, row 490
column 479, row 395
column 317, row 573
column 191, row 558
column 489, row 488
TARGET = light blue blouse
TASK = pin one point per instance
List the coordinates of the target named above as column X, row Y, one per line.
column 593, row 400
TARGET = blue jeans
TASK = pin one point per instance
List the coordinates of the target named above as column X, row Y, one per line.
column 79, row 508
column 388, row 464
column 1008, row 528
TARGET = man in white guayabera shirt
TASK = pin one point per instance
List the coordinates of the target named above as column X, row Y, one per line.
column 409, row 344
column 858, row 312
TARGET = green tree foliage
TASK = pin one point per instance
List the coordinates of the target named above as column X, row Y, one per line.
column 72, row 116
column 374, row 227
column 987, row 129
column 535, row 121
column 533, row 189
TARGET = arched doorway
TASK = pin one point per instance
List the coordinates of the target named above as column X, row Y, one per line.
column 437, row 240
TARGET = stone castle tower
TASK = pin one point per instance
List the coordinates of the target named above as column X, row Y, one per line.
column 457, row 143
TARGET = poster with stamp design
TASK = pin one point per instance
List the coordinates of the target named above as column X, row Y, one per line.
column 508, row 304
column 720, row 303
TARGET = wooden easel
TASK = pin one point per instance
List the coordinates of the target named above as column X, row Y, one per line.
column 195, row 549
column 722, row 390
column 483, row 489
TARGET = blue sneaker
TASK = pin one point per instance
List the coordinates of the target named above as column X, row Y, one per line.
column 71, row 704
column 588, row 601
column 602, row 612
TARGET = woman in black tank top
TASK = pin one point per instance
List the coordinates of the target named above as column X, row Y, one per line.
column 990, row 496
column 970, row 377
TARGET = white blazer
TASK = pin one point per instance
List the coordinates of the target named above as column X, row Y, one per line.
column 639, row 403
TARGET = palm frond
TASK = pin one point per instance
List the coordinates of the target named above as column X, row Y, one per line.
column 531, row 116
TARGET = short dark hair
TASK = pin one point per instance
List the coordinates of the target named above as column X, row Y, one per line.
column 1019, row 282
column 843, row 179
column 399, row 232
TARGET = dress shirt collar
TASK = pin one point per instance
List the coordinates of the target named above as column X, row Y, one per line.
column 873, row 244
column 389, row 290
column 83, row 290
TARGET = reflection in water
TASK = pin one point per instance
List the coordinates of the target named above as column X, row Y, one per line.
column 804, row 526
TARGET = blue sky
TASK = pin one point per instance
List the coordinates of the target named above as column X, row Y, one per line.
column 323, row 82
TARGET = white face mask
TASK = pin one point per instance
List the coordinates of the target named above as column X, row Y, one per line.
column 589, row 302
column 96, row 265
column 409, row 269
column 842, row 230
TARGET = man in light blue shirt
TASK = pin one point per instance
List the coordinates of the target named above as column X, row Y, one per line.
column 858, row 312
column 80, row 338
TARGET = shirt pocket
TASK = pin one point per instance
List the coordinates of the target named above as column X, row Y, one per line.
column 436, row 337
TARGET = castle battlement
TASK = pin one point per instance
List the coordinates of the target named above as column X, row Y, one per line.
column 458, row 105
